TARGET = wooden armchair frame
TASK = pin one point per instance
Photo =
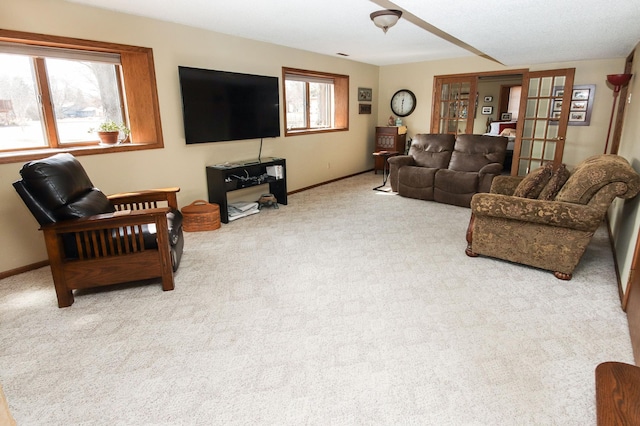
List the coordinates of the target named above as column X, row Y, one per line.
column 104, row 260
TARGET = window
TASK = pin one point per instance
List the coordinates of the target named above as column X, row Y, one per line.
column 514, row 102
column 315, row 101
column 53, row 90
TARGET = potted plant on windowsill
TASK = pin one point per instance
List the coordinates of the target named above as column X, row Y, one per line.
column 109, row 131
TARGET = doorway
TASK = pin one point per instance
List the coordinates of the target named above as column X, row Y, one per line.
column 536, row 134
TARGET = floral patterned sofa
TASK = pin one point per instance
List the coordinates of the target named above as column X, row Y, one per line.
column 547, row 219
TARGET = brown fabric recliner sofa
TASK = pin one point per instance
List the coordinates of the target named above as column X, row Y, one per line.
column 550, row 233
column 446, row 168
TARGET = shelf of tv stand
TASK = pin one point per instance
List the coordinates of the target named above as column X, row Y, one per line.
column 227, row 177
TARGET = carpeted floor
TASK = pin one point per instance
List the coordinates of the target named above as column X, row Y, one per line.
column 348, row 306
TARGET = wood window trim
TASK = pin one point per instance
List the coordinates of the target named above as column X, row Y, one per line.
column 141, row 95
column 341, row 101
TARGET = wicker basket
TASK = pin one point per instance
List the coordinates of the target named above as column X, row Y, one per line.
column 201, row 216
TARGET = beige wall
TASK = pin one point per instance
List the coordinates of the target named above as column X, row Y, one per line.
column 582, row 141
column 310, row 159
column 625, row 215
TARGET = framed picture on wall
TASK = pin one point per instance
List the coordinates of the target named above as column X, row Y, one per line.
column 577, row 116
column 505, row 116
column 581, row 105
column 579, row 94
column 487, row 110
column 578, row 105
column 364, row 108
column 365, row 94
column 488, row 98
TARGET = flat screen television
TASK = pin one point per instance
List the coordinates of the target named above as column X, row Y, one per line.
column 222, row 106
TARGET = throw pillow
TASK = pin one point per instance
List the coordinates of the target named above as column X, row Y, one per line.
column 556, row 182
column 533, row 183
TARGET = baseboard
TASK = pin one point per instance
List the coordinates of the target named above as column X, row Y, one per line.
column 22, row 269
column 326, row 182
column 621, row 294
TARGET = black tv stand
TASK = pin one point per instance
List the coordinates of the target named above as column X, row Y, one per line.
column 223, row 178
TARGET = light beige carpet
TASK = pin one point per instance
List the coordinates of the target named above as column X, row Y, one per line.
column 348, row 306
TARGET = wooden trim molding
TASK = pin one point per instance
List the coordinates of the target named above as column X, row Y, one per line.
column 140, row 93
column 341, row 101
column 22, row 269
column 633, row 317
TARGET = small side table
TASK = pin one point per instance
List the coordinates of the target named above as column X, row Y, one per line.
column 385, row 155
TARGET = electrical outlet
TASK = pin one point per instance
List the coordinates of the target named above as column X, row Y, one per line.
column 629, row 98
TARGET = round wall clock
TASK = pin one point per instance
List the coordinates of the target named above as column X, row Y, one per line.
column 403, row 102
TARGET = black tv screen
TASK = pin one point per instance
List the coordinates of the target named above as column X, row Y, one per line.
column 225, row 106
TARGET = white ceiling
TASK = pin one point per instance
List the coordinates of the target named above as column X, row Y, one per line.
column 520, row 32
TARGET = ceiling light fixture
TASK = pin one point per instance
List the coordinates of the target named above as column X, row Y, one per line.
column 617, row 81
column 385, row 19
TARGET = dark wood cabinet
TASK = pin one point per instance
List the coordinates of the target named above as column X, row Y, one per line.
column 389, row 138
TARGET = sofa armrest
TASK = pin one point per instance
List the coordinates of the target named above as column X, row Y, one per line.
column 552, row 213
column 505, row 185
column 486, row 175
column 401, row 160
column 395, row 163
column 109, row 221
column 491, row 169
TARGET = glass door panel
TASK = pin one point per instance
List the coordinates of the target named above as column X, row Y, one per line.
column 534, row 83
column 543, row 109
column 545, row 86
column 532, row 105
column 543, row 131
column 549, row 151
column 536, row 152
column 455, row 105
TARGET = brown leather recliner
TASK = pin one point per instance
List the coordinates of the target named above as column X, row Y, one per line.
column 446, row 168
column 94, row 240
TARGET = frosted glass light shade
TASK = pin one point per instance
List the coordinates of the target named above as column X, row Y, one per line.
column 385, row 19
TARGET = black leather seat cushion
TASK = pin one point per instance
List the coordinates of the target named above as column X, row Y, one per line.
column 61, row 186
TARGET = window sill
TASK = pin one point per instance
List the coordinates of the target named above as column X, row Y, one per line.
column 35, row 154
column 314, row 131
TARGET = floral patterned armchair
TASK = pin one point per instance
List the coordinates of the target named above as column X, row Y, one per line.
column 547, row 219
